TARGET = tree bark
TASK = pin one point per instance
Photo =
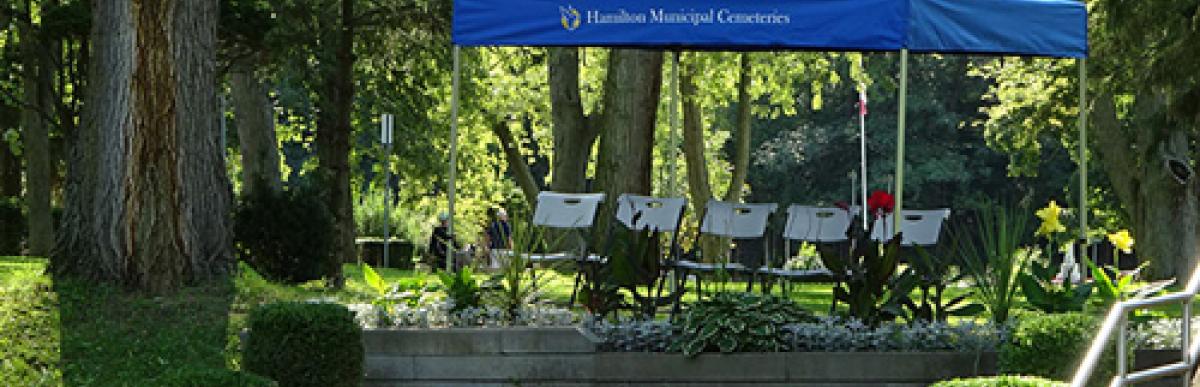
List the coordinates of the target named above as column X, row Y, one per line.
column 741, row 153
column 254, row 116
column 631, row 93
column 147, row 200
column 333, row 141
column 693, row 141
column 10, row 171
column 516, row 162
column 699, row 186
column 574, row 133
column 1163, row 212
column 37, row 78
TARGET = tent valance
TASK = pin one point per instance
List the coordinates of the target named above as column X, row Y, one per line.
column 1055, row 28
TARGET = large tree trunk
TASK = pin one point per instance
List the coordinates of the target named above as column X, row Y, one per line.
column 147, row 196
column 37, row 79
column 254, row 116
column 574, row 133
column 693, row 141
column 694, row 150
column 333, row 141
column 741, row 136
column 631, row 93
column 1164, row 213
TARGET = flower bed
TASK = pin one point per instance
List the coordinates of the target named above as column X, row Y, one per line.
column 827, row 334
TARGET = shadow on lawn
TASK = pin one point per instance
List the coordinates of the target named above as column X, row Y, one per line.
column 108, row 336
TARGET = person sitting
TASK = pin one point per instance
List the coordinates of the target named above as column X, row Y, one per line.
column 439, row 240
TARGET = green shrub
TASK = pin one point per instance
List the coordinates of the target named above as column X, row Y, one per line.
column 206, row 377
column 301, row 344
column 1049, row 345
column 738, row 322
column 462, row 289
column 1001, row 381
column 12, row 227
column 286, row 236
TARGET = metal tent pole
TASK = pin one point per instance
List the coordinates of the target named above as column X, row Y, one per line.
column 673, row 143
column 900, row 118
column 862, row 151
column 453, row 160
column 1083, row 183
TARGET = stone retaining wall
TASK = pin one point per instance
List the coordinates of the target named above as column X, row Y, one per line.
column 569, row 357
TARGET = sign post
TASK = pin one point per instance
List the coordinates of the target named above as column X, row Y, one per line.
column 385, row 136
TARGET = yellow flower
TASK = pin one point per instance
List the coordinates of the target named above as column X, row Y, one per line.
column 1122, row 240
column 1050, row 222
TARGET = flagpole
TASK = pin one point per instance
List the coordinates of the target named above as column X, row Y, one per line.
column 862, row 137
column 901, row 121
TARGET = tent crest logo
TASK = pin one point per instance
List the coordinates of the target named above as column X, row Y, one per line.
column 570, row 17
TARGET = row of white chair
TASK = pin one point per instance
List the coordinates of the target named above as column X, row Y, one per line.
column 733, row 220
column 738, row 221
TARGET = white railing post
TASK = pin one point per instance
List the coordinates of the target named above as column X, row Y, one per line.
column 1122, row 360
column 1185, row 340
column 1117, row 319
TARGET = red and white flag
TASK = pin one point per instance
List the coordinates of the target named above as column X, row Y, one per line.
column 862, row 100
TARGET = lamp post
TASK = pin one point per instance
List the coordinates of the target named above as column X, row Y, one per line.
column 385, row 136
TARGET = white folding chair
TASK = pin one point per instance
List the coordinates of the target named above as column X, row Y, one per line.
column 639, row 212
column 657, row 216
column 567, row 211
column 728, row 220
column 812, row 224
column 919, row 227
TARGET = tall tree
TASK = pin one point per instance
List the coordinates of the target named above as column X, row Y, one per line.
column 38, row 78
column 243, row 31
column 254, row 116
column 574, row 132
column 333, row 134
column 147, row 198
column 1144, row 115
column 631, row 93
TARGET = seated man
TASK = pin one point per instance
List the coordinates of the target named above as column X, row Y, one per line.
column 439, row 240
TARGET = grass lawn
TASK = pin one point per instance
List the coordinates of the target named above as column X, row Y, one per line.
column 56, row 332
column 66, row 332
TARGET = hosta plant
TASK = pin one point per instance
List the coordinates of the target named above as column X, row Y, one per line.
column 737, row 322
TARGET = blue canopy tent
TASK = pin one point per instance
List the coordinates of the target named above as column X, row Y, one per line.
column 1048, row 28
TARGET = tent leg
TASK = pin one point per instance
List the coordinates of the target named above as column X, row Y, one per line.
column 453, row 160
column 900, row 122
column 1083, row 169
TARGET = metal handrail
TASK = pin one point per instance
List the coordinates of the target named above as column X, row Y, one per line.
column 1116, row 321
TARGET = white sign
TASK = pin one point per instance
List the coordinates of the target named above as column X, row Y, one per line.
column 385, row 128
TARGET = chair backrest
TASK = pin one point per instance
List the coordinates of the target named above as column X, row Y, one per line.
column 736, row 220
column 818, row 224
column 639, row 212
column 920, row 227
column 566, row 210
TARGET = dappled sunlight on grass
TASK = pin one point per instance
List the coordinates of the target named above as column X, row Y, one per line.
column 63, row 331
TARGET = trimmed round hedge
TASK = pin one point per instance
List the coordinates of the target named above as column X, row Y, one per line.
column 1001, row 381
column 1051, row 346
column 205, row 377
column 305, row 344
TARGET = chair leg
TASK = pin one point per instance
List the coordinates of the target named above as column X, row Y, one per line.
column 580, row 267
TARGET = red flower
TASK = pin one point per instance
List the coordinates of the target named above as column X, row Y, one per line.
column 880, row 203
